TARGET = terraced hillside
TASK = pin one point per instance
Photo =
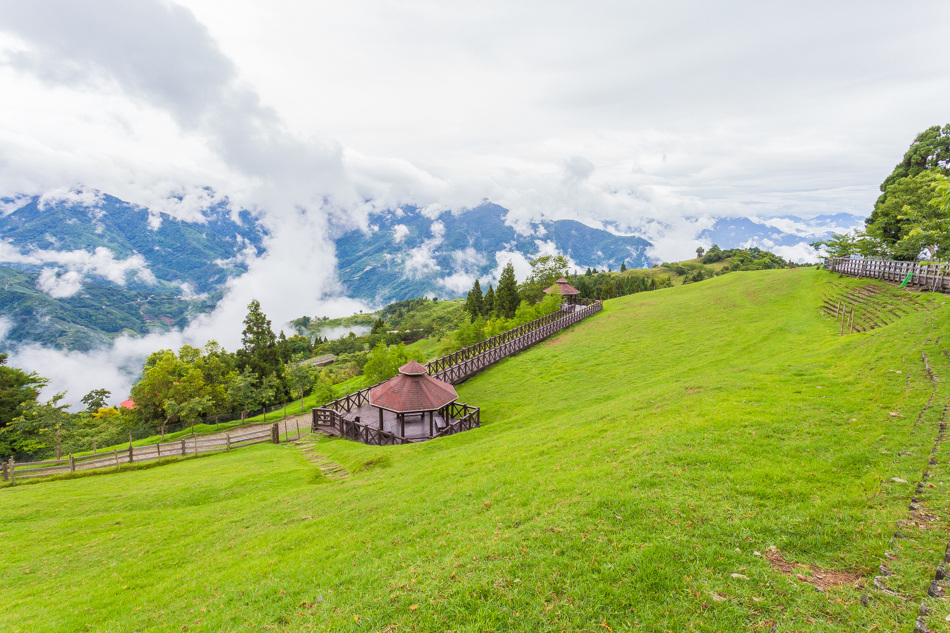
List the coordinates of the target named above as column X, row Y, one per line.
column 712, row 457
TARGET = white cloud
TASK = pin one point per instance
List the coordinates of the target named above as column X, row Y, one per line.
column 458, row 282
column 59, row 284
column 520, row 263
column 101, row 262
column 77, row 195
column 805, row 229
column 5, row 326
column 15, row 202
column 420, row 261
column 800, row 253
column 400, row 231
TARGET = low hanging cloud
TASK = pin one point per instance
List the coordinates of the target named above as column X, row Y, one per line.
column 420, row 261
column 158, row 54
column 66, row 277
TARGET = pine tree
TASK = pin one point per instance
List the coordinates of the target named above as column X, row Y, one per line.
column 506, row 297
column 259, row 351
column 474, row 303
column 623, row 266
column 488, row 303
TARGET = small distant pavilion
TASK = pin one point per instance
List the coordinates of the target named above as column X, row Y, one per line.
column 566, row 290
column 412, row 394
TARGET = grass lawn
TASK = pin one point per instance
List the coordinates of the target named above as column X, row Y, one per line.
column 627, row 474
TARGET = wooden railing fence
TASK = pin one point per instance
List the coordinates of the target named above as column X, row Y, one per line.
column 469, row 418
column 326, row 418
column 13, row 471
column 458, row 366
column 934, row 276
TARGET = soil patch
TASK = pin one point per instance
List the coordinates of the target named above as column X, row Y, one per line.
column 821, row 578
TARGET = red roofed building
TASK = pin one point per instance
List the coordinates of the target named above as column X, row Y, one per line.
column 412, row 392
column 127, row 404
column 564, row 289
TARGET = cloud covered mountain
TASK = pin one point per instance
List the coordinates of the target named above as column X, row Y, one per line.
column 408, row 253
column 79, row 268
column 788, row 236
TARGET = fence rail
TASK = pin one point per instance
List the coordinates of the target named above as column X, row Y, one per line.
column 933, row 277
column 458, row 366
column 326, row 418
column 13, row 471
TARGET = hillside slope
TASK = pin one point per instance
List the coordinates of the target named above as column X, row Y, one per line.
column 633, row 473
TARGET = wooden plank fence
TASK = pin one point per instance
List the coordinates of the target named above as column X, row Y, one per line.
column 330, row 418
column 934, row 276
column 13, row 471
column 453, row 368
column 468, row 361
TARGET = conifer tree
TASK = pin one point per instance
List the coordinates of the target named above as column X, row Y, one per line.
column 474, row 303
column 260, row 351
column 488, row 302
column 623, row 266
column 506, row 297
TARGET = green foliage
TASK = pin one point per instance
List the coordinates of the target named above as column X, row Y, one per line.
column 18, row 390
column 247, row 391
column 170, row 382
column 545, row 271
column 259, row 344
column 713, row 255
column 506, row 295
column 384, row 362
column 474, row 302
column 893, row 217
column 930, row 151
column 488, row 303
column 40, row 426
column 96, row 399
column 929, row 225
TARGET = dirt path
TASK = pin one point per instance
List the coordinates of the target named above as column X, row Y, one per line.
column 292, row 423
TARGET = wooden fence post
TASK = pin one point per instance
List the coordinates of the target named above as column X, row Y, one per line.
column 131, row 454
column 158, row 447
column 12, row 471
column 183, row 448
column 228, row 436
column 72, row 464
column 275, row 433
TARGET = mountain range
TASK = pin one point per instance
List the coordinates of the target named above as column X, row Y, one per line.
column 79, row 268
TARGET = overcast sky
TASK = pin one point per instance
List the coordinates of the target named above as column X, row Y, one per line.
column 599, row 111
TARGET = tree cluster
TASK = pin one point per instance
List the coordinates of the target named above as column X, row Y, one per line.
column 911, row 218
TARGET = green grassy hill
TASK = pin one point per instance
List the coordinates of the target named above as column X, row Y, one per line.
column 705, row 457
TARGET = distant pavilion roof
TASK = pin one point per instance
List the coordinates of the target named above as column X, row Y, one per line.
column 127, row 404
column 563, row 288
column 412, row 390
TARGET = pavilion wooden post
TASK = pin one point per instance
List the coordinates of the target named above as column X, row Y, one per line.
column 380, row 419
column 431, row 423
column 402, row 424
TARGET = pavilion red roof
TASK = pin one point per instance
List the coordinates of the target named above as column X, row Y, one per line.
column 412, row 390
column 127, row 404
column 562, row 287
